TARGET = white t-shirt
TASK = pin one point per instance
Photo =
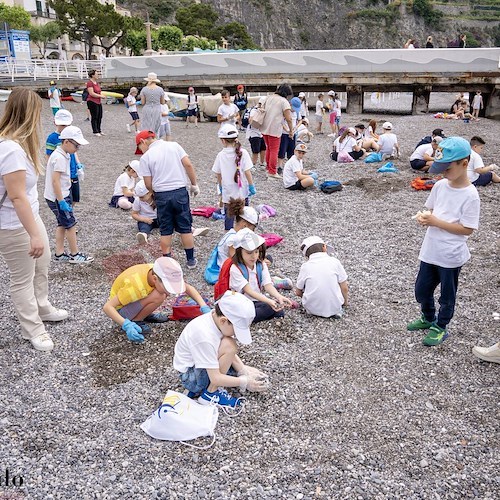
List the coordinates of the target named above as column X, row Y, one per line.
column 284, row 124
column 337, row 107
column 58, row 162
column 304, row 110
column 225, row 165
column 441, row 247
column 192, row 101
column 55, row 98
column 475, row 161
column 302, row 130
column 226, row 110
column 424, row 149
column 163, row 163
column 477, row 101
column 198, row 345
column 319, row 108
column 387, row 141
column 237, row 281
column 223, row 246
column 132, row 106
column 292, row 166
column 319, row 279
column 124, row 181
column 252, row 132
column 13, row 159
column 144, row 208
column 164, row 113
column 346, row 145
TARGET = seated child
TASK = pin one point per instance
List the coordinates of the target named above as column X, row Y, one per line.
column 478, row 174
column 139, row 290
column 422, row 158
column 388, row 142
column 205, row 354
column 322, row 281
column 144, row 212
column 364, row 140
column 123, row 194
column 250, row 252
column 295, row 178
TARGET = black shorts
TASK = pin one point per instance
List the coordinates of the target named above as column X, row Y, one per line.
column 257, row 144
column 192, row 112
column 356, row 155
column 174, row 213
column 134, row 115
column 483, row 179
column 297, row 187
column 417, row 164
column 75, row 190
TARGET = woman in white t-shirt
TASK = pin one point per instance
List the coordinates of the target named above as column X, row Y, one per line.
column 347, row 143
column 123, row 193
column 23, row 238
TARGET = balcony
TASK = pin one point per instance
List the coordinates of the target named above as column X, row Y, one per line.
column 41, row 13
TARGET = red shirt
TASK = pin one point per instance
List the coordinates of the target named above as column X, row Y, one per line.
column 97, row 90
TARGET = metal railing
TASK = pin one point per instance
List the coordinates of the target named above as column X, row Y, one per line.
column 48, row 69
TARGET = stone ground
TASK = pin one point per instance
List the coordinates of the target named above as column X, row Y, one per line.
column 359, row 408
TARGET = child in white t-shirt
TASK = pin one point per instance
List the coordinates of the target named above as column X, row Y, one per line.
column 144, row 212
column 131, row 103
column 228, row 112
column 322, row 281
column 388, row 142
column 165, row 132
column 478, row 174
column 303, row 134
column 123, row 193
column 320, row 112
column 233, row 169
column 477, row 105
column 295, row 178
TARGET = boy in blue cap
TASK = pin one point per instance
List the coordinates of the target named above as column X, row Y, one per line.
column 452, row 215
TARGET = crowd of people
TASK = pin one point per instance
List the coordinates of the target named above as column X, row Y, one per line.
column 158, row 189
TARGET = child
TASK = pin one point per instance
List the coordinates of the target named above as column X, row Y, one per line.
column 477, row 104
column 228, row 113
column 453, row 215
column 363, row 140
column 165, row 132
column 230, row 165
column 241, row 101
column 131, row 103
column 206, row 356
column 123, row 194
column 58, row 197
column 388, row 143
column 422, row 158
column 322, row 281
column 192, row 109
column 304, row 107
column 346, row 143
column 139, row 290
column 295, row 178
column 478, row 174
column 54, row 95
column 250, row 252
column 144, row 212
column 254, row 136
column 336, row 114
column 320, row 111
column 287, row 141
column 62, row 119
column 303, row 134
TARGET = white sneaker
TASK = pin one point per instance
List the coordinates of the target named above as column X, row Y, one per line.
column 142, row 238
column 128, row 128
column 42, row 343
column 332, row 135
column 274, row 176
column 55, row 315
column 491, row 354
column 201, row 231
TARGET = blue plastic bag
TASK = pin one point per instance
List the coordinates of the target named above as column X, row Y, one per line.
column 373, row 158
column 388, row 167
column 212, row 270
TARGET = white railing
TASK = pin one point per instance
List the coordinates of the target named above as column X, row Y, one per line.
column 48, row 69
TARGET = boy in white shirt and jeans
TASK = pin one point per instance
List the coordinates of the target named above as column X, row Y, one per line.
column 322, row 281
column 453, row 214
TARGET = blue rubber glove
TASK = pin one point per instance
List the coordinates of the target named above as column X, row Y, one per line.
column 80, row 166
column 205, row 309
column 251, row 190
column 314, row 175
column 133, row 331
column 63, row 205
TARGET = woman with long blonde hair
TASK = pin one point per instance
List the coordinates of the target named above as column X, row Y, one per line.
column 24, row 244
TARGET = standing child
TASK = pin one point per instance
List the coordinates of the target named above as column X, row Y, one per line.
column 453, row 214
column 144, row 212
column 241, row 101
column 165, row 132
column 123, row 194
column 295, row 178
column 478, row 174
column 287, row 141
column 131, row 103
column 233, row 169
column 55, row 97
column 254, row 136
column 192, row 108
column 322, row 281
column 228, row 113
column 336, row 113
column 477, row 104
column 304, row 107
column 58, row 195
column 388, row 142
column 320, row 111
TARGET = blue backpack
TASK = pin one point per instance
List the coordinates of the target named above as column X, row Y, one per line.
column 245, row 120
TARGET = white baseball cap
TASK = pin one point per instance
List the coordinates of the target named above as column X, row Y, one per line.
column 250, row 215
column 141, row 189
column 73, row 133
column 262, row 99
column 302, row 94
column 240, row 311
column 170, row 273
column 331, row 92
column 309, row 242
column 247, row 239
column 134, row 164
column 63, row 117
column 387, row 126
column 352, row 130
column 227, row 131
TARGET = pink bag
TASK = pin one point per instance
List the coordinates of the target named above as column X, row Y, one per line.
column 344, row 157
column 203, row 211
column 267, row 209
column 272, row 239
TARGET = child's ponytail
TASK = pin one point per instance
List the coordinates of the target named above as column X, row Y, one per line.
column 239, row 154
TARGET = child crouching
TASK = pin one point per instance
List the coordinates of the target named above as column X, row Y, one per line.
column 144, row 212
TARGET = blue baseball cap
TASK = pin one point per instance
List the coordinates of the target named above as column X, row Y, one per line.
column 295, row 103
column 449, row 150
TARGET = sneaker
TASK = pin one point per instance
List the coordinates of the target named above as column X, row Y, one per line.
column 55, row 315
column 97, row 134
column 280, row 170
column 64, row 257
column 419, row 324
column 282, row 283
column 102, row 133
column 331, row 135
column 144, row 326
column 219, row 398
column 201, row 231
column 192, row 263
column 128, row 128
column 42, row 343
column 491, row 354
column 274, row 176
column 156, row 318
column 142, row 238
column 436, row 336
column 80, row 258
column 86, row 120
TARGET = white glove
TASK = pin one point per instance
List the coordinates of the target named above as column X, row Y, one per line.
column 81, row 174
column 194, row 190
column 253, row 379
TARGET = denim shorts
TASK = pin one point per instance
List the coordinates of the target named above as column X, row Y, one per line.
column 197, row 380
column 64, row 219
column 134, row 115
column 173, row 211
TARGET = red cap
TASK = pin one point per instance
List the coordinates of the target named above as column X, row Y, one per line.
column 240, row 87
column 142, row 135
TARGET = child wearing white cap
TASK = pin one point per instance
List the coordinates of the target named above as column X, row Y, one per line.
column 388, row 142
column 322, row 281
column 249, row 274
column 139, row 290
column 144, row 212
column 123, row 192
column 57, row 194
column 295, row 177
column 304, row 107
column 206, row 358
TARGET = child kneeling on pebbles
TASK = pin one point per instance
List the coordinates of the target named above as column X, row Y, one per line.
column 322, row 281
column 295, row 178
column 144, row 212
column 206, row 353
column 139, row 290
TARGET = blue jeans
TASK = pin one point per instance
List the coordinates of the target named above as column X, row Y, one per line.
column 144, row 227
column 196, row 380
column 429, row 277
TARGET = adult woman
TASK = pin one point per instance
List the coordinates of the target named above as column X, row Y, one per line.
column 152, row 97
column 277, row 107
column 23, row 239
column 94, row 102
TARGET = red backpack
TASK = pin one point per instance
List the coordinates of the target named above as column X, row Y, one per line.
column 222, row 285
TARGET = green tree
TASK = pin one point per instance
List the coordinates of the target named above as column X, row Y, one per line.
column 16, row 17
column 237, row 36
column 135, row 40
column 42, row 35
column 197, row 19
column 170, row 37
